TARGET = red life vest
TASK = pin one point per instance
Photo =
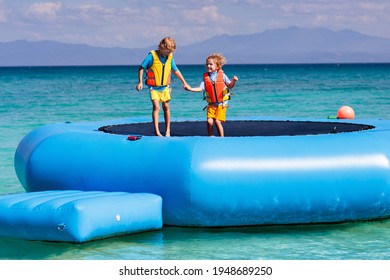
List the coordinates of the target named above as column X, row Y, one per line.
column 215, row 92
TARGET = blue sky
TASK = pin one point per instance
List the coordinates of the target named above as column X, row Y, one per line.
column 140, row 23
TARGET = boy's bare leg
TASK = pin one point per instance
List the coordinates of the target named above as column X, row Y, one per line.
column 219, row 126
column 167, row 117
column 210, row 123
column 155, row 112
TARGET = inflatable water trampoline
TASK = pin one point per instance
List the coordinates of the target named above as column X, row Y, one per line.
column 263, row 171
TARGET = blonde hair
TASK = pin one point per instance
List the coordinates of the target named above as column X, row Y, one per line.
column 167, row 45
column 218, row 58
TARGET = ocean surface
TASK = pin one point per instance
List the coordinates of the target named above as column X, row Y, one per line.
column 33, row 96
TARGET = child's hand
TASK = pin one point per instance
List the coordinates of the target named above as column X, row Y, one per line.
column 187, row 87
column 139, row 87
column 233, row 82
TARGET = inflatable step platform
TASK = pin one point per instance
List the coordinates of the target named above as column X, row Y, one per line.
column 78, row 216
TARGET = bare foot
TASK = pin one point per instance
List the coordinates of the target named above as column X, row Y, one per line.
column 168, row 133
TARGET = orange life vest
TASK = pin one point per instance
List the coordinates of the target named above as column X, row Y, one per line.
column 215, row 92
column 159, row 74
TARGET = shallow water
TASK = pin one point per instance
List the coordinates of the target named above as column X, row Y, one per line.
column 360, row 241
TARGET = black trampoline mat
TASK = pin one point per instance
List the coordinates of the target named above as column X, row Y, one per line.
column 240, row 128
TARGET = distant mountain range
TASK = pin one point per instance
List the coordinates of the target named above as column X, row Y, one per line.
column 290, row 45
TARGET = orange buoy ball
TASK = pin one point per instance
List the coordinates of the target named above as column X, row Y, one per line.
column 345, row 112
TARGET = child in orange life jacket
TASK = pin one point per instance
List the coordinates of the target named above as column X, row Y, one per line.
column 159, row 65
column 216, row 87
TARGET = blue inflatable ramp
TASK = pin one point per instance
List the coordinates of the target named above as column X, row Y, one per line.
column 78, row 216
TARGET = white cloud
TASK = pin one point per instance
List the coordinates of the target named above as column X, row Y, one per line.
column 205, row 15
column 91, row 14
column 44, row 11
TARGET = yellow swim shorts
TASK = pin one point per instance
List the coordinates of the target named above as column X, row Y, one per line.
column 217, row 112
column 161, row 96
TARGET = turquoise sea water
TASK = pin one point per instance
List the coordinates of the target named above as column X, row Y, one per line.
column 31, row 97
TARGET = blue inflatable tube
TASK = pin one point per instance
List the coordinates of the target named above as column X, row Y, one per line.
column 212, row 181
column 76, row 216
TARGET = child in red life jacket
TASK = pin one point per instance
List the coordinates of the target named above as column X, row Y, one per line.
column 215, row 86
column 159, row 65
